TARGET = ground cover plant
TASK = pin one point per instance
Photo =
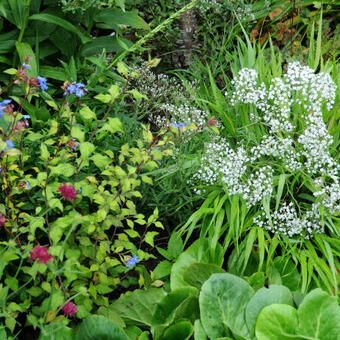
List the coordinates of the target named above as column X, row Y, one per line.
column 169, row 170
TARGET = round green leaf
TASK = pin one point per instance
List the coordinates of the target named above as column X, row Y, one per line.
column 180, row 330
column 277, row 322
column 165, row 310
column 97, row 327
column 319, row 316
column 265, row 297
column 223, row 301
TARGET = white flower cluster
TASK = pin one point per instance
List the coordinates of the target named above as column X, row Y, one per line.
column 206, row 5
column 286, row 221
column 186, row 114
column 222, row 163
column 169, row 102
column 297, row 139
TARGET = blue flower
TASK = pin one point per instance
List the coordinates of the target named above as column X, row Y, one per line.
column 28, row 185
column 26, row 66
column 42, row 83
column 9, row 143
column 80, row 190
column 3, row 104
column 132, row 261
column 26, row 116
column 76, row 88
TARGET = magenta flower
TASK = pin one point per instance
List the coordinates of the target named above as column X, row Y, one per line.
column 2, row 221
column 69, row 309
column 40, row 253
column 68, row 192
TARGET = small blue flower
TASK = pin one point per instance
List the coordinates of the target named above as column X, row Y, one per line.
column 26, row 66
column 28, row 185
column 175, row 125
column 9, row 143
column 42, row 83
column 134, row 260
column 3, row 104
column 26, row 116
column 72, row 88
column 80, row 190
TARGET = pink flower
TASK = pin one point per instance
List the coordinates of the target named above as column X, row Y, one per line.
column 68, row 192
column 212, row 121
column 40, row 253
column 2, row 221
column 69, row 309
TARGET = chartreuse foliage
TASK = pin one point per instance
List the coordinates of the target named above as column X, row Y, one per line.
column 71, row 187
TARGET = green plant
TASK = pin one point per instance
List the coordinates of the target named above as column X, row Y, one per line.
column 69, row 223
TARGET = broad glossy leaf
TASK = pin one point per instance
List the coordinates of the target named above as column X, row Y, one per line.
column 198, row 273
column 319, row 316
column 223, row 300
column 97, row 327
column 197, row 252
column 165, row 310
column 277, row 322
column 138, row 307
column 180, row 330
column 264, row 297
column 199, row 332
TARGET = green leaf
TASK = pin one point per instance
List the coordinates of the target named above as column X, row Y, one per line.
column 78, row 133
column 53, row 72
column 162, row 270
column 149, row 237
column 108, row 43
column 97, row 327
column 112, row 16
column 101, row 161
column 105, row 98
column 44, row 154
column 197, row 252
column 265, row 297
column 175, row 245
column 24, row 50
column 137, row 95
column 180, row 330
column 114, row 91
column 52, row 19
column 122, row 69
column 319, row 316
column 56, row 331
column 198, row 273
column 199, row 332
column 87, row 114
column 138, row 307
column 277, row 322
column 165, row 310
column 223, row 301
column 66, row 170
column 86, row 149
